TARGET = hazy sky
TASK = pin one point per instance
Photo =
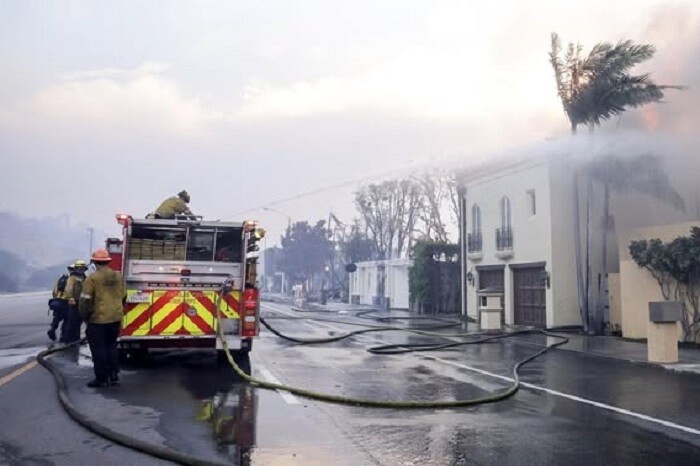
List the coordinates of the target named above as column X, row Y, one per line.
column 112, row 106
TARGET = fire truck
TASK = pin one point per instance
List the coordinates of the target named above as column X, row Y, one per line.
column 186, row 279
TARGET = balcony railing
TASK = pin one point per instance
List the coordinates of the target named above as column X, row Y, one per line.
column 473, row 242
column 504, row 239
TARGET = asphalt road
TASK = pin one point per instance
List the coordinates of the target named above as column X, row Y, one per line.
column 575, row 409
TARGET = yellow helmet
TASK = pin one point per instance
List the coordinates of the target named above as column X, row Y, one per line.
column 79, row 264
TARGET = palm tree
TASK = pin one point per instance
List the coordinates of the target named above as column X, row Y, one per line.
column 598, row 87
column 594, row 89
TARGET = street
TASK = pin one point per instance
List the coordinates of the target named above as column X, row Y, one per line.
column 573, row 408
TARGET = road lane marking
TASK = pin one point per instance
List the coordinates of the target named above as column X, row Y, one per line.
column 17, row 372
column 29, row 294
column 567, row 396
column 286, row 396
column 597, row 404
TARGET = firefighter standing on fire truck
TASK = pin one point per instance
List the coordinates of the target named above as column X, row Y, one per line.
column 102, row 307
column 74, row 287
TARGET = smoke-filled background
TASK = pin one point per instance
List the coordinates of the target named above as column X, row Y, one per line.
column 112, row 106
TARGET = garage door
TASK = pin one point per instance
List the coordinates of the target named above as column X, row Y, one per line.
column 529, row 301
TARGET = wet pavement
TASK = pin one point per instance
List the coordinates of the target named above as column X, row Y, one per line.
column 573, row 408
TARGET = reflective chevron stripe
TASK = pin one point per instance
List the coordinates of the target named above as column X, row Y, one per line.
column 177, row 312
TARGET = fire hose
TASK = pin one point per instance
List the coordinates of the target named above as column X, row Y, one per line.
column 397, row 349
column 183, row 458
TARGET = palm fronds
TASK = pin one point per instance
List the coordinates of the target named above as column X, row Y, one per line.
column 599, row 86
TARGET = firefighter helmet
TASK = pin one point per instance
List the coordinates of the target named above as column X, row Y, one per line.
column 79, row 264
column 101, row 256
column 184, row 196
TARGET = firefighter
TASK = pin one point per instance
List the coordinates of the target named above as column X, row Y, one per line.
column 59, row 305
column 102, row 307
column 176, row 205
column 74, row 287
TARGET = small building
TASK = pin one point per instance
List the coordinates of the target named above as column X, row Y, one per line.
column 519, row 226
column 381, row 283
column 519, row 216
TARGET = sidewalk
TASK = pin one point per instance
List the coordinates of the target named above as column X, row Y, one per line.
column 616, row 347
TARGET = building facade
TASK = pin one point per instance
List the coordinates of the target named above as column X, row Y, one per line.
column 519, row 240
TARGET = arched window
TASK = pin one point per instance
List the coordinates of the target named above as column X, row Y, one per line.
column 474, row 238
column 504, row 234
column 505, row 213
column 476, row 219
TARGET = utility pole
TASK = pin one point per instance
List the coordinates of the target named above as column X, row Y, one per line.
column 91, row 230
column 462, row 196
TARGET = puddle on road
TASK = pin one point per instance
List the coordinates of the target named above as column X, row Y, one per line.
column 232, row 417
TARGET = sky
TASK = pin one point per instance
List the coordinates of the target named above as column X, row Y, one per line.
column 110, row 107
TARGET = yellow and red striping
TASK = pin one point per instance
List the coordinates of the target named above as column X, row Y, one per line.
column 178, row 312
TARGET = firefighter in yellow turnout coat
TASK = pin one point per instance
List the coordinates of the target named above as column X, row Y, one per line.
column 102, row 307
column 176, row 205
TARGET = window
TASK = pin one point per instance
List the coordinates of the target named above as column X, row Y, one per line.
column 476, row 219
column 505, row 213
column 504, row 234
column 474, row 238
column 531, row 202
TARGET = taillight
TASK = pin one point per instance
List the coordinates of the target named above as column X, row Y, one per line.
column 249, row 318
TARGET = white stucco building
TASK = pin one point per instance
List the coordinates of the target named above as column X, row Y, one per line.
column 381, row 282
column 519, row 225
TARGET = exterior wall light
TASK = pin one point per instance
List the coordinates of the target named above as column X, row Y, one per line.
column 545, row 278
column 471, row 278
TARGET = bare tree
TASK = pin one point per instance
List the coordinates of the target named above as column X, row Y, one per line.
column 440, row 203
column 390, row 211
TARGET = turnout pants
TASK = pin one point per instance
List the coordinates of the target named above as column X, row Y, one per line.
column 103, row 346
column 73, row 326
column 60, row 317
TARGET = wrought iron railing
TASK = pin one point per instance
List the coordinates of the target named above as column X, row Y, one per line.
column 474, row 242
column 504, row 239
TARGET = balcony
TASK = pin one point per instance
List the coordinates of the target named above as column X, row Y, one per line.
column 474, row 251
column 504, row 242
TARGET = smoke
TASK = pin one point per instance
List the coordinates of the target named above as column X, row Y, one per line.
column 675, row 31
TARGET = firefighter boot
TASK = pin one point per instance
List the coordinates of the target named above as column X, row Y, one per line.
column 97, row 384
column 52, row 334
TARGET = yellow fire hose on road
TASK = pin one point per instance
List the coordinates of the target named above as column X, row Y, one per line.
column 396, row 349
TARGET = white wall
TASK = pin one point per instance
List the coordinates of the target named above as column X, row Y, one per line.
column 532, row 235
column 637, row 287
column 363, row 282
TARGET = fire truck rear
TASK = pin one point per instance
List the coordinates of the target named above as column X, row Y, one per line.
column 186, row 279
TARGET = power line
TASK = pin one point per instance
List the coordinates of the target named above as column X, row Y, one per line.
column 320, row 190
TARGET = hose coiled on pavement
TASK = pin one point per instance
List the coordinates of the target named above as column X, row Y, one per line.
column 105, row 432
column 394, row 404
